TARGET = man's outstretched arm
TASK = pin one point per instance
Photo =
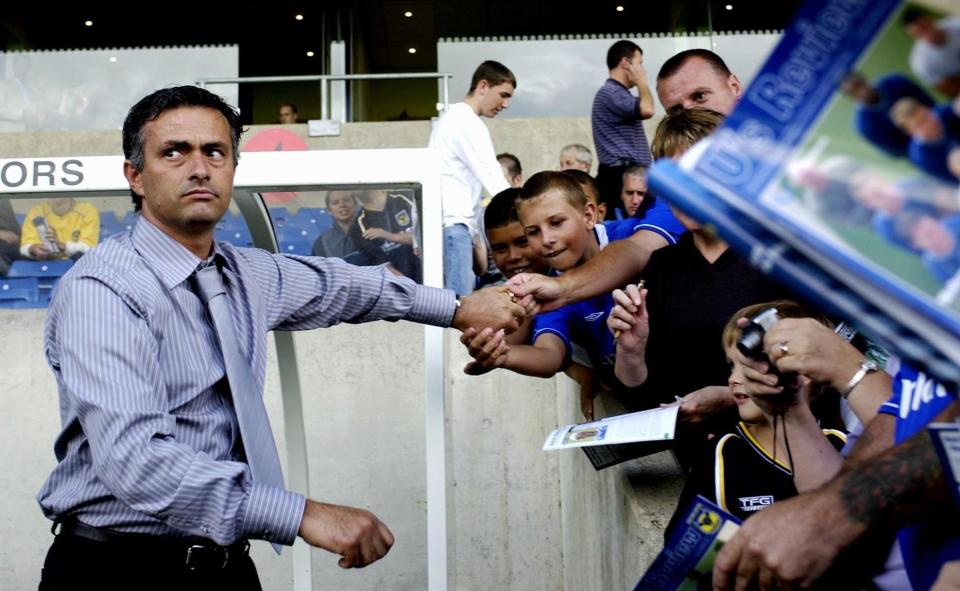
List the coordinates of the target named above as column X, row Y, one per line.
column 614, row 267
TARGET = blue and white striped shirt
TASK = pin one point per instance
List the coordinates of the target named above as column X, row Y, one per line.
column 618, row 132
column 150, row 439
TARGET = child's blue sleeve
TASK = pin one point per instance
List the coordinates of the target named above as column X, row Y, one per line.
column 556, row 322
column 658, row 219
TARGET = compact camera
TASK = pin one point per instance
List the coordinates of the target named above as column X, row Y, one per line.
column 751, row 345
column 751, row 337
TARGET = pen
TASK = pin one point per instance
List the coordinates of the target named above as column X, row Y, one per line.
column 616, row 333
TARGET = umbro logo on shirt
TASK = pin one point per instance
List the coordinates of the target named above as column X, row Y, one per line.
column 748, row 504
column 593, row 317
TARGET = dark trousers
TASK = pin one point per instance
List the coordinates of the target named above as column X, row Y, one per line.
column 610, row 185
column 74, row 562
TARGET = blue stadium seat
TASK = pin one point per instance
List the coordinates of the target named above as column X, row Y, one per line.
column 237, row 236
column 314, row 220
column 279, row 216
column 231, row 222
column 296, row 246
column 24, row 268
column 23, row 290
column 21, row 304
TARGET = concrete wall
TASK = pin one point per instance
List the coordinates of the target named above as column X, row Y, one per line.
column 518, row 518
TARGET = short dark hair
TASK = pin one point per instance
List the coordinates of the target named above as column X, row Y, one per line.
column 502, row 209
column 619, row 50
column 913, row 14
column 292, row 106
column 150, row 107
column 494, row 73
column 513, row 163
column 673, row 65
column 549, row 180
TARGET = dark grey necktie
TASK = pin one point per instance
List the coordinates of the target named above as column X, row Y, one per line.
column 255, row 430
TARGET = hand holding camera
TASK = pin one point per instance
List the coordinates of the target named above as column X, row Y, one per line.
column 772, row 389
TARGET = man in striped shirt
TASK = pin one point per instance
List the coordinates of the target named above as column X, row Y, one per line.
column 152, row 488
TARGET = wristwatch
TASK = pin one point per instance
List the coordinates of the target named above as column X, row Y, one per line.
column 866, row 366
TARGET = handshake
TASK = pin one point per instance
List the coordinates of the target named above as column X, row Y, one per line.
column 496, row 308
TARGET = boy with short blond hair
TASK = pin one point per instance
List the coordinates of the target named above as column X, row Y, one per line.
column 561, row 224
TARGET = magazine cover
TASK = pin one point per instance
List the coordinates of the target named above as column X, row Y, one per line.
column 658, row 424
column 686, row 561
column 838, row 172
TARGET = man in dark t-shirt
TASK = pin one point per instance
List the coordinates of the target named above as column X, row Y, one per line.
column 386, row 231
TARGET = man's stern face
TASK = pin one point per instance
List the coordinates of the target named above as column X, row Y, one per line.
column 187, row 177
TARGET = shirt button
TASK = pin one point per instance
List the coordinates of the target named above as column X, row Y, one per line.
column 205, row 529
column 266, row 534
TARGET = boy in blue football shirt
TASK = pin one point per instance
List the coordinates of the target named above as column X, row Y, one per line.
column 561, row 224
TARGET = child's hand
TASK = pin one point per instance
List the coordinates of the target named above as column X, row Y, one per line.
column 628, row 318
column 703, row 403
column 587, row 393
column 488, row 348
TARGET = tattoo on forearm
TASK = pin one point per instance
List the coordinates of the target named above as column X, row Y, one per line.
column 896, row 487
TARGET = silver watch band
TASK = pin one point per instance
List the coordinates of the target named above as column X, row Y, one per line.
column 866, row 366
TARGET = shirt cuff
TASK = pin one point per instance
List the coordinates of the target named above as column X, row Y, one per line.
column 433, row 306
column 73, row 248
column 272, row 514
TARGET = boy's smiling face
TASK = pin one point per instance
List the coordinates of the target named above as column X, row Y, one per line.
column 561, row 234
column 511, row 251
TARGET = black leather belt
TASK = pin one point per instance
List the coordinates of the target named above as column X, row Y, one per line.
column 194, row 553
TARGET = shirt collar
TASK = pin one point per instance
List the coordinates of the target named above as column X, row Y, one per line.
column 171, row 261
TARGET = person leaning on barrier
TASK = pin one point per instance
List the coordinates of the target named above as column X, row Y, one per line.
column 696, row 78
column 154, row 485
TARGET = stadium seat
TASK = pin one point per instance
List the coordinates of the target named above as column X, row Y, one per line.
column 17, row 291
column 46, row 269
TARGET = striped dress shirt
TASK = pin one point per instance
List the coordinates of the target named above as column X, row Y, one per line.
column 618, row 132
column 150, row 441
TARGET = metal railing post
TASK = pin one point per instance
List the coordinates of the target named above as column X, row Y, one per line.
column 324, row 99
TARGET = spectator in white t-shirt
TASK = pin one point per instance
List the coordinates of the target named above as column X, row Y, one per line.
column 935, row 57
column 468, row 165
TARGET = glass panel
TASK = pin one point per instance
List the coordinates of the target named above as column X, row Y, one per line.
column 363, row 226
column 41, row 238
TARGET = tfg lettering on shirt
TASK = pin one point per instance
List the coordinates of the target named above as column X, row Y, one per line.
column 913, row 393
column 749, row 504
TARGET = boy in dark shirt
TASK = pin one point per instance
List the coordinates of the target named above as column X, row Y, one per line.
column 385, row 230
